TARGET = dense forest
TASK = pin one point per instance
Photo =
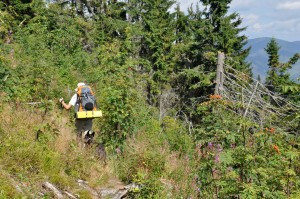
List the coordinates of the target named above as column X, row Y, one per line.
column 166, row 126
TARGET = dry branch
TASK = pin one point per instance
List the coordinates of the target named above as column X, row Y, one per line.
column 55, row 191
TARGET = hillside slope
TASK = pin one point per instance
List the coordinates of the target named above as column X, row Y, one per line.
column 39, row 146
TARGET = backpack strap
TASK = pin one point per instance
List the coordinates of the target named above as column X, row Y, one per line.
column 79, row 101
column 79, row 96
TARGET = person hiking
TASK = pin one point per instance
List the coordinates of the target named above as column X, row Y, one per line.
column 82, row 125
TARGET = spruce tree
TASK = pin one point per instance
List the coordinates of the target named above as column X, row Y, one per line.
column 278, row 75
column 190, row 66
column 214, row 30
column 182, row 27
column 272, row 79
column 157, row 43
column 223, row 32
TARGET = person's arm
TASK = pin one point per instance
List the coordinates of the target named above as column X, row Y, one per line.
column 66, row 106
column 70, row 104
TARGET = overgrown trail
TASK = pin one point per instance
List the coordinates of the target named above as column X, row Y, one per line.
column 41, row 150
column 112, row 186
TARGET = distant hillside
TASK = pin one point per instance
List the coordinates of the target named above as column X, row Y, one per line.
column 259, row 58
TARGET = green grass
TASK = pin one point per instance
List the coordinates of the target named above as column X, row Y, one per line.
column 55, row 157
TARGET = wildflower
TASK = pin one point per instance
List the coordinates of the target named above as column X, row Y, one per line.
column 217, row 159
column 276, row 148
column 215, row 96
column 210, row 145
column 272, row 130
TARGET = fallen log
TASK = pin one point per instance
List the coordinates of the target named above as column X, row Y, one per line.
column 55, row 191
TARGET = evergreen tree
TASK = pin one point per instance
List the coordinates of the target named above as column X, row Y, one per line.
column 273, row 63
column 181, row 50
column 182, row 27
column 157, row 43
column 258, row 78
column 20, row 9
column 213, row 30
column 222, row 32
column 278, row 75
column 192, row 76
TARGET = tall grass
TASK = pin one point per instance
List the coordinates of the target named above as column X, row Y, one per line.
column 157, row 159
column 149, row 159
column 55, row 156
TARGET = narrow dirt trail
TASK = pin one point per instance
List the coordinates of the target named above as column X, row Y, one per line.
column 112, row 187
column 24, row 120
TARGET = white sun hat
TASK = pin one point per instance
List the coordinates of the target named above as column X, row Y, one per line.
column 78, row 85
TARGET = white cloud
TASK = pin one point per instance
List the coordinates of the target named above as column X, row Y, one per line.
column 291, row 25
column 250, row 18
column 264, row 18
column 287, row 30
column 291, row 5
column 257, row 27
column 240, row 3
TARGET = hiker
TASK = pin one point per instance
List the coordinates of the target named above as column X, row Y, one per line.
column 82, row 125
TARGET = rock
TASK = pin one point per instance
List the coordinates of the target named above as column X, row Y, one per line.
column 118, row 193
column 112, row 193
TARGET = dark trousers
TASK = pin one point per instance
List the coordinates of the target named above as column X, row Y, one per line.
column 82, row 125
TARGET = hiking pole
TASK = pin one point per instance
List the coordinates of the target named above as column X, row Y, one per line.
column 61, row 109
column 61, row 100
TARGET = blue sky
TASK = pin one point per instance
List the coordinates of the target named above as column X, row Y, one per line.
column 265, row 18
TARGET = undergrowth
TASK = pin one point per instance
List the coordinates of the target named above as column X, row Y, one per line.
column 150, row 159
column 39, row 146
column 35, row 149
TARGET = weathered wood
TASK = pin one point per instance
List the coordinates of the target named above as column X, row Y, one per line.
column 33, row 103
column 51, row 187
column 248, row 105
column 220, row 76
column 250, row 100
column 70, row 195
